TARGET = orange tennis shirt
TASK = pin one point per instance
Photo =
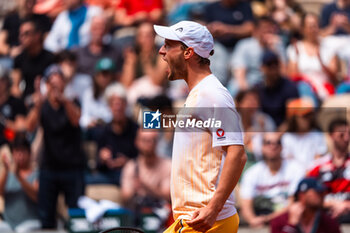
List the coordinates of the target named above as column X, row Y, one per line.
column 198, row 157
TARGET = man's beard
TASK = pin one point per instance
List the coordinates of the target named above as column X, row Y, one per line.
column 177, row 69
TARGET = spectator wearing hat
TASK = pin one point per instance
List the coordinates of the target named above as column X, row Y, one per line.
column 71, row 27
column 99, row 46
column 95, row 109
column 19, row 187
column 266, row 197
column 117, row 142
column 32, row 62
column 303, row 142
column 275, row 90
column 333, row 170
column 247, row 56
column 306, row 213
column 12, row 110
column 62, row 161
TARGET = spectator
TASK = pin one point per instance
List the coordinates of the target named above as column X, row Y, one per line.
column 302, row 142
column 98, row 48
column 275, row 90
column 144, row 70
column 71, row 27
column 19, row 188
column 265, row 198
column 287, row 14
column 116, row 144
column 9, row 35
column 145, row 181
column 133, row 12
column 62, row 162
column 333, row 171
column 95, row 109
column 311, row 61
column 335, row 18
column 306, row 213
column 76, row 83
column 229, row 21
column 254, row 122
column 32, row 62
column 145, row 60
column 246, row 58
column 12, row 110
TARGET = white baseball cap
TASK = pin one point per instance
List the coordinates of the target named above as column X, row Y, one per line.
column 190, row 33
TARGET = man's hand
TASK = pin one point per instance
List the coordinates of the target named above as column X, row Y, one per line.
column 258, row 221
column 295, row 213
column 339, row 208
column 203, row 219
column 105, row 154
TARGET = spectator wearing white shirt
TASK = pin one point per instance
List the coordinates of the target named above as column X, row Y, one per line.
column 72, row 26
column 266, row 197
column 302, row 142
column 95, row 110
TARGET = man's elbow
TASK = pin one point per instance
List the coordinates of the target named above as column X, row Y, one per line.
column 242, row 156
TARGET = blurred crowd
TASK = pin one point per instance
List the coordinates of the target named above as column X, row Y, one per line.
column 74, row 75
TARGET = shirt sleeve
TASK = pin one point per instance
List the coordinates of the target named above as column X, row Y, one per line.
column 248, row 13
column 325, row 15
column 53, row 41
column 6, row 24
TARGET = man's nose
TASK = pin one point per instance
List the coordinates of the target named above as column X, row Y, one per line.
column 162, row 50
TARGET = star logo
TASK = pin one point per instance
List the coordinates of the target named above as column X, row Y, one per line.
column 155, row 115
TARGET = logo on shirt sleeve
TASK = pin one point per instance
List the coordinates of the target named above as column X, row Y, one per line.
column 220, row 133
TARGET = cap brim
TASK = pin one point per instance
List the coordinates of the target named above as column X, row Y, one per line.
column 166, row 32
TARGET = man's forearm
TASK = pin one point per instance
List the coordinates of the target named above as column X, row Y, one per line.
column 231, row 172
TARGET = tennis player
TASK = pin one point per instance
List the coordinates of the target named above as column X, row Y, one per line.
column 206, row 164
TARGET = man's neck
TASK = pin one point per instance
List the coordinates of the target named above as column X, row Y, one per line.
column 96, row 47
column 308, row 217
column 118, row 126
column 195, row 75
column 34, row 50
column 149, row 160
column 274, row 166
column 339, row 157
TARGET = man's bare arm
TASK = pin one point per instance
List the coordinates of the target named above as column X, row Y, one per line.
column 204, row 218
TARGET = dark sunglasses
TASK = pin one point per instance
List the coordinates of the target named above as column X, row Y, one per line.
column 26, row 33
column 269, row 142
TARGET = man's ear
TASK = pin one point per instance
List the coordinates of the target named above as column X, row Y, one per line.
column 188, row 53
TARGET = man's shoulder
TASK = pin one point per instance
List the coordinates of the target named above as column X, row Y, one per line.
column 281, row 219
column 330, row 7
